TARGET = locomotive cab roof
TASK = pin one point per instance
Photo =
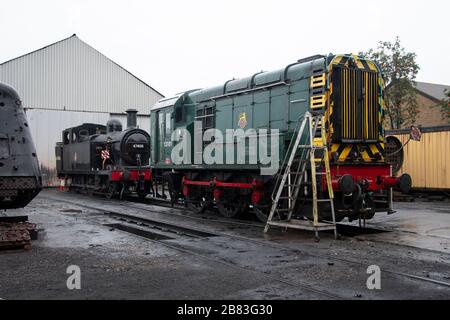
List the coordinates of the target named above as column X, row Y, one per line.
column 80, row 133
column 113, row 125
column 171, row 101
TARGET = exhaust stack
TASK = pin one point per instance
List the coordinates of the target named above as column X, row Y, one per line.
column 131, row 118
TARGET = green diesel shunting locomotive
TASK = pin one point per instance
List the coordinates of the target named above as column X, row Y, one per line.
column 346, row 89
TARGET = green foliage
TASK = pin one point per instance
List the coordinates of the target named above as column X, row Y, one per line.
column 399, row 71
column 445, row 106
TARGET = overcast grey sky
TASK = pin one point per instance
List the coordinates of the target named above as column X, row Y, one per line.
column 179, row 45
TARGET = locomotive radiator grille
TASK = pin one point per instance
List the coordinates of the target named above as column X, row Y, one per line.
column 356, row 105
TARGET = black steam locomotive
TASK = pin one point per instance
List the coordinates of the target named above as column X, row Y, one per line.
column 20, row 176
column 106, row 160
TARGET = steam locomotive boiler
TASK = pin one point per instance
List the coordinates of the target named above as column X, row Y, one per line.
column 20, row 176
column 106, row 160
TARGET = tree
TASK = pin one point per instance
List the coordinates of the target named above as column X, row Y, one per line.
column 445, row 106
column 399, row 71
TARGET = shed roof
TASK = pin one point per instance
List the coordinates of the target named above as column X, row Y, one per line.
column 71, row 75
column 433, row 90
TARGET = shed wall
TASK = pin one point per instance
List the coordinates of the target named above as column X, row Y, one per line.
column 428, row 160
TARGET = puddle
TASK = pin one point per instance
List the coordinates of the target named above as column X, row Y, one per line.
column 352, row 231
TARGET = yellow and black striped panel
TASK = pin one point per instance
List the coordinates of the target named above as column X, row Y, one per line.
column 354, row 114
column 381, row 111
column 348, row 60
column 356, row 100
column 343, row 152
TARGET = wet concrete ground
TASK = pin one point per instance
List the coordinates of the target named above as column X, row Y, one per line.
column 419, row 224
column 238, row 263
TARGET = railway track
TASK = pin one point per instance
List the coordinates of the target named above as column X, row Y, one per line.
column 343, row 229
column 281, row 247
column 211, row 216
column 139, row 220
column 181, row 208
column 189, row 252
column 141, row 223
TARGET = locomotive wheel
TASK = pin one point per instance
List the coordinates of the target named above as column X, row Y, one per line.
column 198, row 206
column 229, row 209
column 111, row 191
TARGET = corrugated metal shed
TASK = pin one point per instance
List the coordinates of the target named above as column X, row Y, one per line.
column 69, row 83
column 71, row 75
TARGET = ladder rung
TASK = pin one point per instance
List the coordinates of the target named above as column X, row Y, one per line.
column 294, row 176
column 294, row 172
column 285, row 198
column 303, row 224
column 292, row 185
column 318, row 200
column 299, row 161
column 283, row 210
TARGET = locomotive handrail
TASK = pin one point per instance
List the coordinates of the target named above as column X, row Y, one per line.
column 246, row 91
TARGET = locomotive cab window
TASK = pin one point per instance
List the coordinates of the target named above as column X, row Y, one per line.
column 168, row 124
column 84, row 134
column 179, row 115
column 205, row 114
column 66, row 137
column 209, row 118
column 161, row 124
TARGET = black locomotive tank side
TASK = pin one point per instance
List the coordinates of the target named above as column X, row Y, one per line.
column 20, row 176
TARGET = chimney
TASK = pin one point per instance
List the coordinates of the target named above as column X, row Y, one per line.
column 131, row 118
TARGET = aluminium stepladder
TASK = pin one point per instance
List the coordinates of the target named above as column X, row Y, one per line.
column 293, row 173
